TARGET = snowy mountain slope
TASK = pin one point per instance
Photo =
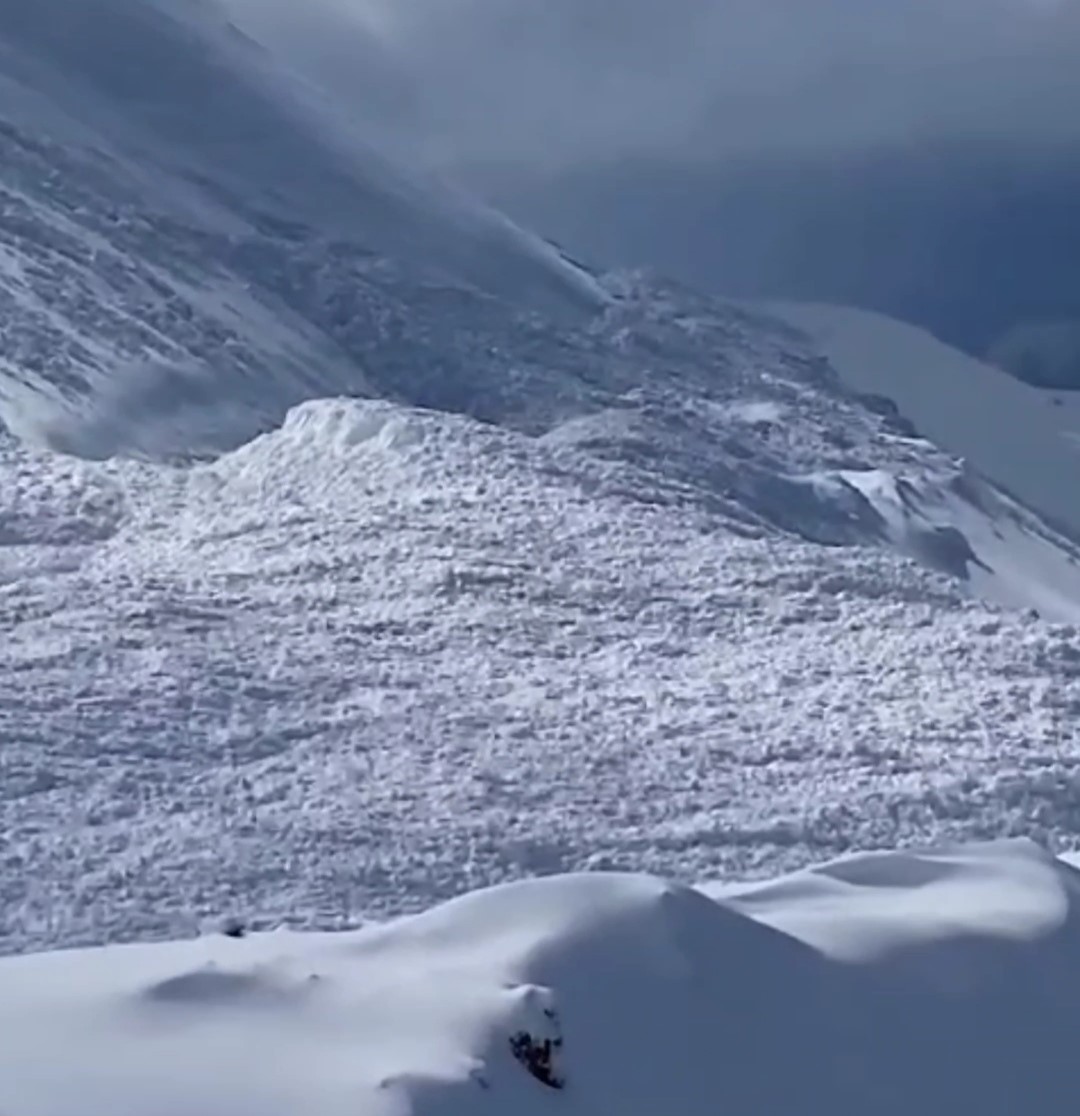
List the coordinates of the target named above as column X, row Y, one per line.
column 173, row 82
column 382, row 656
column 110, row 353
column 181, row 219
column 1017, row 444
column 193, row 244
column 1025, row 440
column 925, row 982
column 614, row 580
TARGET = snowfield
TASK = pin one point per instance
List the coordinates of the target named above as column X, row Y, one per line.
column 383, row 656
column 924, row 982
column 361, row 553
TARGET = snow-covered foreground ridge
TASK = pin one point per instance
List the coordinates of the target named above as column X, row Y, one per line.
column 898, row 983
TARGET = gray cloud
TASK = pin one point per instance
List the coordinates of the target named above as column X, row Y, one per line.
column 918, row 157
column 552, row 83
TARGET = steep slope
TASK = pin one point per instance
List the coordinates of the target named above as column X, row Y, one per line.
column 173, row 204
column 1020, row 446
column 892, row 984
column 1023, row 439
column 173, row 81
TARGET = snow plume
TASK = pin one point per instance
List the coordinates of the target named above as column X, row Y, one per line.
column 555, row 82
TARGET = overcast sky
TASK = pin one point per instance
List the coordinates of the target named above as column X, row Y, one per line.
column 549, row 82
column 920, row 157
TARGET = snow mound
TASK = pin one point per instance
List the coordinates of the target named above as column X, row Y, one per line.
column 871, row 906
column 320, row 435
column 926, row 982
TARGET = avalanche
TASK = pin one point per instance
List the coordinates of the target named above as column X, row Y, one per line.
column 358, row 550
column 381, row 656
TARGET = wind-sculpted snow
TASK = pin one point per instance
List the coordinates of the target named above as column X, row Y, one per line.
column 932, row 982
column 382, row 655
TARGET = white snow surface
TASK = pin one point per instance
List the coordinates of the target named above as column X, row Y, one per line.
column 1024, row 439
column 930, row 982
column 357, row 550
column 382, row 656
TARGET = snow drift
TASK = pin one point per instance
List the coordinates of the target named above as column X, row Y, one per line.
column 894, row 983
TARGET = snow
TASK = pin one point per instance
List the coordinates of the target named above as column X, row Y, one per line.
column 1003, row 552
column 1017, row 446
column 871, row 906
column 895, row 983
column 384, row 655
column 1023, row 439
column 358, row 551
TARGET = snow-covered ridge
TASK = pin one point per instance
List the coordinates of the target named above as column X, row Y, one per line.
column 931, row 982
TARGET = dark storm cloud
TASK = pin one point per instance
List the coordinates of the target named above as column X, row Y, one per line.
column 556, row 82
column 917, row 157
